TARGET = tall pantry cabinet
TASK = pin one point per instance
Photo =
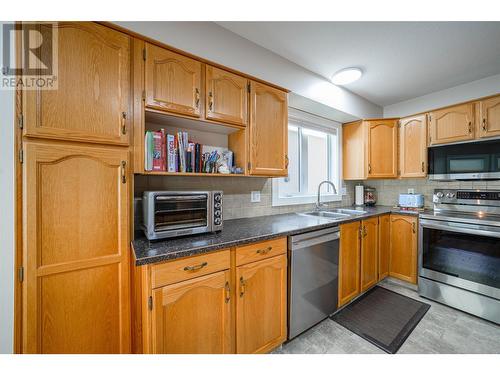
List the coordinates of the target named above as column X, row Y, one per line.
column 75, row 200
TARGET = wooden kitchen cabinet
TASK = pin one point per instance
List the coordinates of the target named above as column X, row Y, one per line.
column 452, row 124
column 268, row 131
column 92, row 100
column 76, row 296
column 489, row 113
column 384, row 245
column 226, row 96
column 172, row 82
column 369, row 253
column 349, row 262
column 193, row 316
column 413, row 146
column 370, row 149
column 261, row 305
column 403, row 251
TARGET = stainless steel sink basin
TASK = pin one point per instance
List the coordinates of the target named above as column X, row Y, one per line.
column 327, row 214
column 348, row 211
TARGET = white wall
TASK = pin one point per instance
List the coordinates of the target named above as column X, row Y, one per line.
column 6, row 217
column 212, row 42
column 462, row 93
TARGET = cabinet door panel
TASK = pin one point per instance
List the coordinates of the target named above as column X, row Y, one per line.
column 384, row 240
column 413, row 146
column 490, row 117
column 268, row 131
column 193, row 316
column 452, row 124
column 349, row 262
column 91, row 102
column 226, row 97
column 261, row 312
column 75, row 249
column 369, row 253
column 382, row 149
column 173, row 82
column 403, row 257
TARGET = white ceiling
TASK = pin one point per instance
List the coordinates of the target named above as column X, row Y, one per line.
column 400, row 60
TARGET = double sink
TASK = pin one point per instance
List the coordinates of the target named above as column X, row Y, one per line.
column 335, row 214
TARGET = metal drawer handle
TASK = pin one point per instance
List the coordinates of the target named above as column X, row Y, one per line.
column 123, row 173
column 124, row 123
column 242, row 286
column 369, row 168
column 197, row 97
column 413, row 227
column 423, row 167
column 195, row 268
column 228, row 292
column 484, row 124
column 264, row 251
column 470, row 127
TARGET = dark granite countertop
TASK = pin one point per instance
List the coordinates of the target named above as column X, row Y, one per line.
column 241, row 231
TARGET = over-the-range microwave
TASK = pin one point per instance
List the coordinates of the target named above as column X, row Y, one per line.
column 465, row 161
column 169, row 214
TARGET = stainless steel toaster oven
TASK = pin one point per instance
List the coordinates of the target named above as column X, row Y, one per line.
column 169, row 214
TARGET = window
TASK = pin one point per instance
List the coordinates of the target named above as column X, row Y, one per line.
column 314, row 155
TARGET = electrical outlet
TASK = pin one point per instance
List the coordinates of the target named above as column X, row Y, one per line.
column 255, row 196
column 411, row 191
column 344, row 190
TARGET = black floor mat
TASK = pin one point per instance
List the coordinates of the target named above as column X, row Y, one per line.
column 383, row 317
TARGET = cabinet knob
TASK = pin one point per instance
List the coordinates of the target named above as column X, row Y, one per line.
column 242, row 286
column 484, row 125
column 369, row 168
column 197, row 97
column 423, row 167
column 414, row 227
column 470, row 127
column 210, row 101
column 227, row 289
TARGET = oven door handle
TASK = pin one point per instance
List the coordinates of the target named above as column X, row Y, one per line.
column 480, row 230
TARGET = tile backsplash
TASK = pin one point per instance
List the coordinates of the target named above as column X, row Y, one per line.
column 236, row 193
column 388, row 190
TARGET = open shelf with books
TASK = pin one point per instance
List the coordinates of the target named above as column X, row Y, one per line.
column 180, row 146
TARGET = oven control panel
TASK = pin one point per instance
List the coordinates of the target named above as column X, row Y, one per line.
column 454, row 196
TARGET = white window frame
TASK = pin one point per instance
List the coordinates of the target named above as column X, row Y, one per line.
column 313, row 122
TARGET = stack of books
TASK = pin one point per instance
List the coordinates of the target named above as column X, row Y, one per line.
column 172, row 152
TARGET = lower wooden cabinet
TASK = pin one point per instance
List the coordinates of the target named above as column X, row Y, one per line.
column 213, row 303
column 349, row 260
column 261, row 307
column 75, row 249
column 403, row 250
column 384, row 245
column 193, row 316
column 369, row 253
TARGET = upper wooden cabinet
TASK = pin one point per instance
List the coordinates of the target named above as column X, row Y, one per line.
column 193, row 316
column 413, row 146
column 489, row 113
column 261, row 305
column 268, row 131
column 173, row 82
column 226, row 96
column 76, row 296
column 369, row 253
column 349, row 261
column 452, row 124
column 403, row 253
column 92, row 100
column 370, row 149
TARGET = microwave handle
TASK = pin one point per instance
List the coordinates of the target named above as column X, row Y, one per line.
column 479, row 230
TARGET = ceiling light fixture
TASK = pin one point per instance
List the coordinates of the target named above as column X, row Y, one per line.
column 345, row 76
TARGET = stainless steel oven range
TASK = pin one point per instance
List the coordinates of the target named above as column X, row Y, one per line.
column 459, row 251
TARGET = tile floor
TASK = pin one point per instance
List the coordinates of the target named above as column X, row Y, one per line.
column 442, row 330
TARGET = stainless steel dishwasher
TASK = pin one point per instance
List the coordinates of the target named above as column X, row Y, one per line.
column 313, row 278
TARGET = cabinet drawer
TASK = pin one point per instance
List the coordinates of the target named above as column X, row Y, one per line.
column 260, row 250
column 188, row 268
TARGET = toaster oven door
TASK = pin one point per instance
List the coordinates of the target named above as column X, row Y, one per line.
column 176, row 215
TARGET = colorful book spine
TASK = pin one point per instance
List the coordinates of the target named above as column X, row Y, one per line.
column 163, row 150
column 171, row 153
column 148, row 151
column 157, row 151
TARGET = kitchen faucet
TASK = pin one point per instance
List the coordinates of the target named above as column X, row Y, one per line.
column 318, row 202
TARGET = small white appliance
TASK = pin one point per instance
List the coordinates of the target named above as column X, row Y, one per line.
column 411, row 200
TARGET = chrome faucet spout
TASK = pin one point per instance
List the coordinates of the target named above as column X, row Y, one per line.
column 318, row 202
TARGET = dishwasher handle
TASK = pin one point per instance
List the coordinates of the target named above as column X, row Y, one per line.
column 299, row 243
